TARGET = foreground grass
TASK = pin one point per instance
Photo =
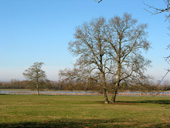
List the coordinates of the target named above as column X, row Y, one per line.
column 83, row 111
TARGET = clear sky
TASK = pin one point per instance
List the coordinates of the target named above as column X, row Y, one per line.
column 39, row 31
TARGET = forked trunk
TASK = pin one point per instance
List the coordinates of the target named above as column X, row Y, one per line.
column 113, row 99
column 105, row 96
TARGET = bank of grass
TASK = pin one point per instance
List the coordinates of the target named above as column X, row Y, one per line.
column 83, row 111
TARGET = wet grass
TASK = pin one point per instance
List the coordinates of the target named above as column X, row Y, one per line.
column 83, row 112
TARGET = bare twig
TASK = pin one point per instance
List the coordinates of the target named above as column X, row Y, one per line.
column 98, row 1
column 168, row 70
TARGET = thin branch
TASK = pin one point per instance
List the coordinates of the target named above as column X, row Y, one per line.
column 98, row 1
column 158, row 10
column 168, row 70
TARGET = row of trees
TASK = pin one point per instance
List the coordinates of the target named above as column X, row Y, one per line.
column 26, row 84
column 52, row 85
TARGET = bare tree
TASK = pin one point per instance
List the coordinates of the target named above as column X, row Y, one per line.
column 112, row 48
column 126, row 39
column 35, row 74
column 91, row 49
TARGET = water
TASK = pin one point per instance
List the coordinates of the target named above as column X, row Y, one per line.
column 26, row 92
column 47, row 92
column 146, row 93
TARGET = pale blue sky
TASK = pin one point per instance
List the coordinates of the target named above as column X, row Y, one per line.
column 39, row 31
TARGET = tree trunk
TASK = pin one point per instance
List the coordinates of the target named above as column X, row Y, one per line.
column 113, row 99
column 37, row 83
column 119, row 66
column 37, row 89
column 104, row 89
column 105, row 96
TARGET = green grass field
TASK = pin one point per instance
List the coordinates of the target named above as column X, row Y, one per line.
column 83, row 111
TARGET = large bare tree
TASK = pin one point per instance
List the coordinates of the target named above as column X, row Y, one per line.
column 91, row 49
column 35, row 74
column 113, row 47
column 126, row 40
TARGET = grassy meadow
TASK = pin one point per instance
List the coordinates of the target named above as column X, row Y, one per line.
column 83, row 112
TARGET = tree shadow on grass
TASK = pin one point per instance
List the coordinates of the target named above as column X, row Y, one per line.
column 68, row 123
column 93, row 123
column 165, row 102
column 88, row 123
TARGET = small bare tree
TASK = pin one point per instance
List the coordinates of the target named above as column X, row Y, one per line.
column 35, row 74
column 126, row 39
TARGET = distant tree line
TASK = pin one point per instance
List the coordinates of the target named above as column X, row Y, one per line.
column 51, row 85
column 80, row 85
column 25, row 84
